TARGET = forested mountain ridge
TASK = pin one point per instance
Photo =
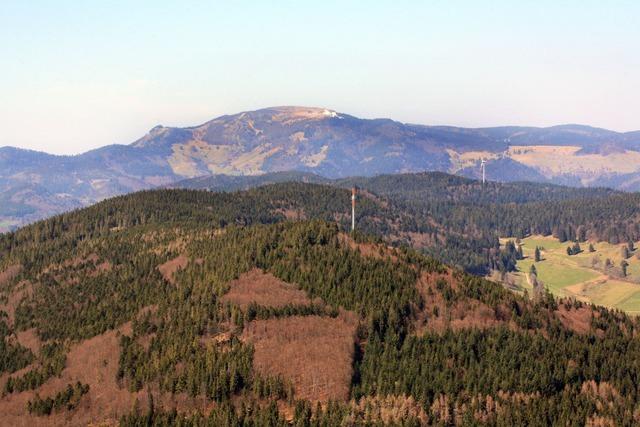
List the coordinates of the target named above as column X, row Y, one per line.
column 35, row 185
column 457, row 220
column 187, row 306
column 434, row 185
column 460, row 221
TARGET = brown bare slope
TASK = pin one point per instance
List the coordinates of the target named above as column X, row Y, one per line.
column 9, row 273
column 264, row 289
column 440, row 314
column 14, row 296
column 93, row 362
column 169, row 268
column 315, row 353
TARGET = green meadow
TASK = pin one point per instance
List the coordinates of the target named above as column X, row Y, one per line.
column 582, row 275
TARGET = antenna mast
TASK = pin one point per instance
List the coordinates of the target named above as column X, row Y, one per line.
column 353, row 208
column 482, row 163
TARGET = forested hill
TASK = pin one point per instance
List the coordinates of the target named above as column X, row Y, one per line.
column 35, row 185
column 409, row 186
column 195, row 308
column 456, row 220
column 221, row 182
column 439, row 186
column 459, row 221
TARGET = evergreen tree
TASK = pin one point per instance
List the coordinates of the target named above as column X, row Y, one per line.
column 576, row 249
column 562, row 235
column 625, row 253
column 623, row 267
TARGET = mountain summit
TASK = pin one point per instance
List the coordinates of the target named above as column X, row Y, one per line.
column 294, row 138
column 318, row 140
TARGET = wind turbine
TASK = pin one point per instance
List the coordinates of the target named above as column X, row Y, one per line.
column 482, row 166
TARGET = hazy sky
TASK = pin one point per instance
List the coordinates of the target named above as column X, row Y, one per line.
column 76, row 75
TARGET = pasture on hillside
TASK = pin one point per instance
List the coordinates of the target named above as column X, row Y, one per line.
column 585, row 275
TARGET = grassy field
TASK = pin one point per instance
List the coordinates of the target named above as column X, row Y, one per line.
column 581, row 276
column 631, row 304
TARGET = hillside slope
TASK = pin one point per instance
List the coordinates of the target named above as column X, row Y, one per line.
column 460, row 221
column 324, row 142
column 155, row 307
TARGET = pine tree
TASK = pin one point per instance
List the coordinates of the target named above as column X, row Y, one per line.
column 562, row 235
column 576, row 248
column 538, row 255
column 624, row 252
column 623, row 267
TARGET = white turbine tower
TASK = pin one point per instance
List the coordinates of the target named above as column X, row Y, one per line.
column 482, row 165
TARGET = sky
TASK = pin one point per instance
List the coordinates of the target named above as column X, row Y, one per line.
column 77, row 75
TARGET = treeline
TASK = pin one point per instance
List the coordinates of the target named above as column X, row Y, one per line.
column 443, row 187
column 410, row 186
column 454, row 212
column 13, row 356
column 255, row 311
column 66, row 399
column 614, row 219
column 254, row 414
column 52, row 360
column 461, row 218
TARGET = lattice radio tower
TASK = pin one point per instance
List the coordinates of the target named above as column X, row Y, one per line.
column 353, row 208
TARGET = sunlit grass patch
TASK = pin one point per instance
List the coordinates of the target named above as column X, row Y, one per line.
column 582, row 275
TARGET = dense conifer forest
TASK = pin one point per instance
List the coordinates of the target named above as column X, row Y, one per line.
column 426, row 344
column 459, row 221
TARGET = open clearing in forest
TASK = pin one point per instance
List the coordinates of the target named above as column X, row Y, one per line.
column 314, row 353
column 581, row 276
column 264, row 289
column 93, row 361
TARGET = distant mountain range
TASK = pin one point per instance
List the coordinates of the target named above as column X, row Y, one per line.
column 34, row 185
